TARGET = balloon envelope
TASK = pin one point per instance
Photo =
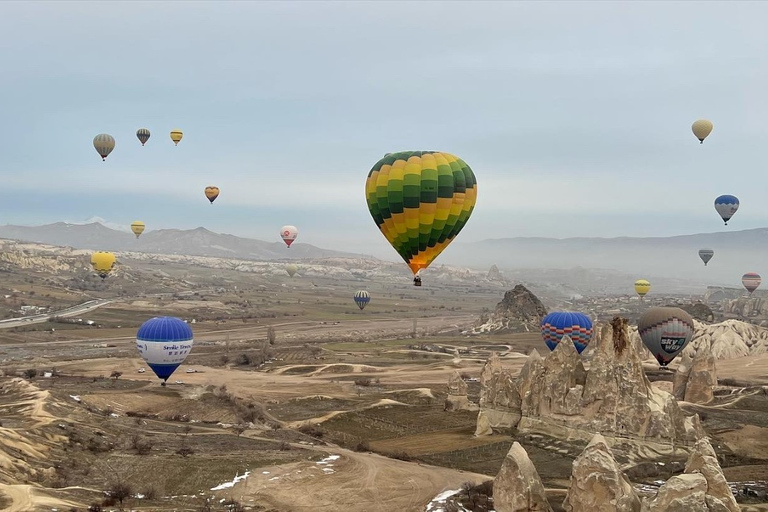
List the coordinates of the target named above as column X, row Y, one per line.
column 751, row 281
column 642, row 287
column 138, row 228
column 726, row 206
column 211, row 193
column 176, row 136
column 362, row 298
column 706, row 255
column 291, row 268
column 665, row 332
column 104, row 144
column 103, row 262
column 557, row 324
column 289, row 234
column 164, row 343
column 143, row 135
column 420, row 200
column 701, row 129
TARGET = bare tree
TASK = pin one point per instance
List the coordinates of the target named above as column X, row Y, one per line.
column 239, row 428
column 116, row 375
column 271, row 335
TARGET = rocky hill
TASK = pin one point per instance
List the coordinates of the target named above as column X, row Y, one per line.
column 519, row 311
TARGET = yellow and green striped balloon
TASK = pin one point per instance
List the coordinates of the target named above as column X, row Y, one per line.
column 420, row 200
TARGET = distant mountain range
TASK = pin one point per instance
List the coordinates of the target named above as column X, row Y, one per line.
column 192, row 242
column 673, row 258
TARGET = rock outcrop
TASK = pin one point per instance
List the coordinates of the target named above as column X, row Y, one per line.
column 457, row 394
column 494, row 274
column 557, row 397
column 698, row 311
column 696, row 377
column 598, row 484
column 517, row 487
column 519, row 311
column 729, row 339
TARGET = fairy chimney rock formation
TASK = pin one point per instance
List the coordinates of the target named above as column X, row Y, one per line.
column 703, row 460
column 494, row 274
column 457, row 394
column 517, row 487
column 696, row 377
column 519, row 311
column 598, row 484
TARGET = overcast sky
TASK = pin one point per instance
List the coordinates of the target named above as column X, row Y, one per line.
column 575, row 117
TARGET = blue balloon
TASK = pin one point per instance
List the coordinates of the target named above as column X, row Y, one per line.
column 362, row 298
column 557, row 324
column 726, row 206
column 164, row 343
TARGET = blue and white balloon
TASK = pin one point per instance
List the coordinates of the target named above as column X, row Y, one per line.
column 362, row 298
column 164, row 343
column 726, row 206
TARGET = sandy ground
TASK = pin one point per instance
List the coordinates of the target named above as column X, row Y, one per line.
column 27, row 498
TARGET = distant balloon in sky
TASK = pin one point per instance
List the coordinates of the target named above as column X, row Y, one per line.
column 557, row 324
column 104, row 144
column 706, row 255
column 176, row 136
column 289, row 234
column 138, row 228
column 701, row 129
column 164, row 343
column 665, row 332
column 362, row 298
column 420, row 201
column 291, row 268
column 751, row 281
column 143, row 135
column 211, row 193
column 642, row 287
column 103, row 262
column 726, row 206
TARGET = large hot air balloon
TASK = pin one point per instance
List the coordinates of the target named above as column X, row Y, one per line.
column 103, row 262
column 665, row 331
column 726, row 206
column 289, row 234
column 143, row 135
column 211, row 193
column 138, row 228
column 706, row 255
column 104, row 144
column 642, row 287
column 176, row 136
column 164, row 343
column 557, row 324
column 751, row 281
column 291, row 268
column 701, row 129
column 420, row 200
column 362, row 298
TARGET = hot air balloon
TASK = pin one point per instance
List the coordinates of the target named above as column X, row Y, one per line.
column 420, row 200
column 103, row 262
column 291, row 268
column 751, row 281
column 211, row 193
column 143, row 135
column 726, row 206
column 665, row 332
column 706, row 255
column 701, row 129
column 642, row 287
column 362, row 298
column 164, row 343
column 289, row 234
column 138, row 228
column 104, row 144
column 176, row 136
column 557, row 324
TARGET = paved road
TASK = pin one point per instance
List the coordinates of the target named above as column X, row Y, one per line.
column 44, row 317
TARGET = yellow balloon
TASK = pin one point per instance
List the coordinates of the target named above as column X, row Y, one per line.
column 211, row 193
column 176, row 135
column 103, row 262
column 138, row 228
column 701, row 129
column 642, row 287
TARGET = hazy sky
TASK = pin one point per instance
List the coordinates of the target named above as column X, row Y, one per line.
column 575, row 117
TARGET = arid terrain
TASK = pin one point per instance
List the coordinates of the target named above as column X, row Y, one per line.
column 292, row 399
